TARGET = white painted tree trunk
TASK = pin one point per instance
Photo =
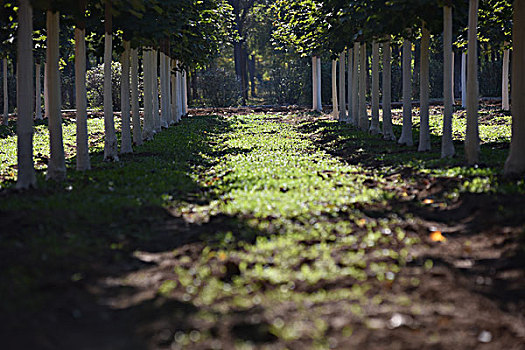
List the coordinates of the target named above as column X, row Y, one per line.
column 447, row 145
column 406, row 134
column 174, row 115
column 472, row 133
column 135, row 110
column 342, row 93
column 38, row 92
column 319, row 82
column 24, row 128
column 164, row 92
column 178, row 95
column 184, row 93
column 355, row 86
column 335, row 107
column 464, row 79
column 83, row 162
column 171, row 116
column 110, row 142
column 424, row 128
column 46, row 93
column 56, row 169
column 149, row 126
column 155, row 91
column 388, row 132
column 374, row 126
column 363, row 116
column 350, row 67
column 515, row 164
column 125, row 145
column 315, row 103
column 5, row 119
column 505, row 103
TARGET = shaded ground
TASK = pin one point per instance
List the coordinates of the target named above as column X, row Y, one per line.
column 281, row 231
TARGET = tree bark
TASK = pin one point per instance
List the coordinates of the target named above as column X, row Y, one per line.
column 374, row 126
column 149, row 127
column 505, row 104
column 110, row 143
column 319, row 82
column 155, row 90
column 335, row 107
column 388, row 132
column 464, row 79
column 363, row 116
column 350, row 67
column 56, row 168
column 406, row 135
column 452, row 94
column 174, row 115
column 315, row 102
column 125, row 145
column 135, row 111
column 184, row 93
column 424, row 128
column 24, row 128
column 515, row 164
column 164, row 91
column 447, row 145
column 46, row 93
column 355, row 86
column 38, row 92
column 342, row 93
column 83, row 161
column 472, row 133
column 5, row 119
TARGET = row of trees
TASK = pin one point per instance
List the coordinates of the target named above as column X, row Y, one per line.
column 348, row 27
column 170, row 37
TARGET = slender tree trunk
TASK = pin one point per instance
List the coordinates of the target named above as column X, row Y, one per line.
column 447, row 145
column 169, row 84
column 464, row 79
column 5, row 119
column 155, row 91
column 335, row 107
column 406, row 135
column 24, row 127
column 137, row 130
column 363, row 116
column 515, row 164
column 472, row 133
column 110, row 143
column 38, row 92
column 46, row 93
column 342, row 93
column 164, row 91
column 374, row 126
column 56, row 167
column 83, row 162
column 349, row 94
column 452, row 94
column 185, row 93
column 149, row 126
column 318, row 87
column 174, row 107
column 315, row 104
column 125, row 146
column 505, row 104
column 424, row 128
column 388, row 132
column 355, row 86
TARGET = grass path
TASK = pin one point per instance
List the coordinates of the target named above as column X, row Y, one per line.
column 271, row 232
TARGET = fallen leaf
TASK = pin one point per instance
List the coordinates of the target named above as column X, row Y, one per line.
column 436, row 236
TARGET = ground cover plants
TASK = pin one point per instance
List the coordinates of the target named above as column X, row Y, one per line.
column 270, row 229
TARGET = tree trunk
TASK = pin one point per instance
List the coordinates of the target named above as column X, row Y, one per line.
column 363, row 116
column 46, row 93
column 472, row 133
column 464, row 79
column 164, row 91
column 155, row 90
column 184, row 91
column 174, row 107
column 315, row 103
column 110, row 143
column 505, row 104
column 342, row 93
column 171, row 117
column 355, row 86
column 374, row 126
column 406, row 135
column 350, row 67
column 515, row 164
column 447, row 145
column 24, row 127
column 251, row 70
column 135, row 110
column 335, row 107
column 149, row 127
column 125, row 145
column 38, row 92
column 452, row 95
column 424, row 85
column 388, row 132
column 318, row 87
column 83, row 162
column 5, row 119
